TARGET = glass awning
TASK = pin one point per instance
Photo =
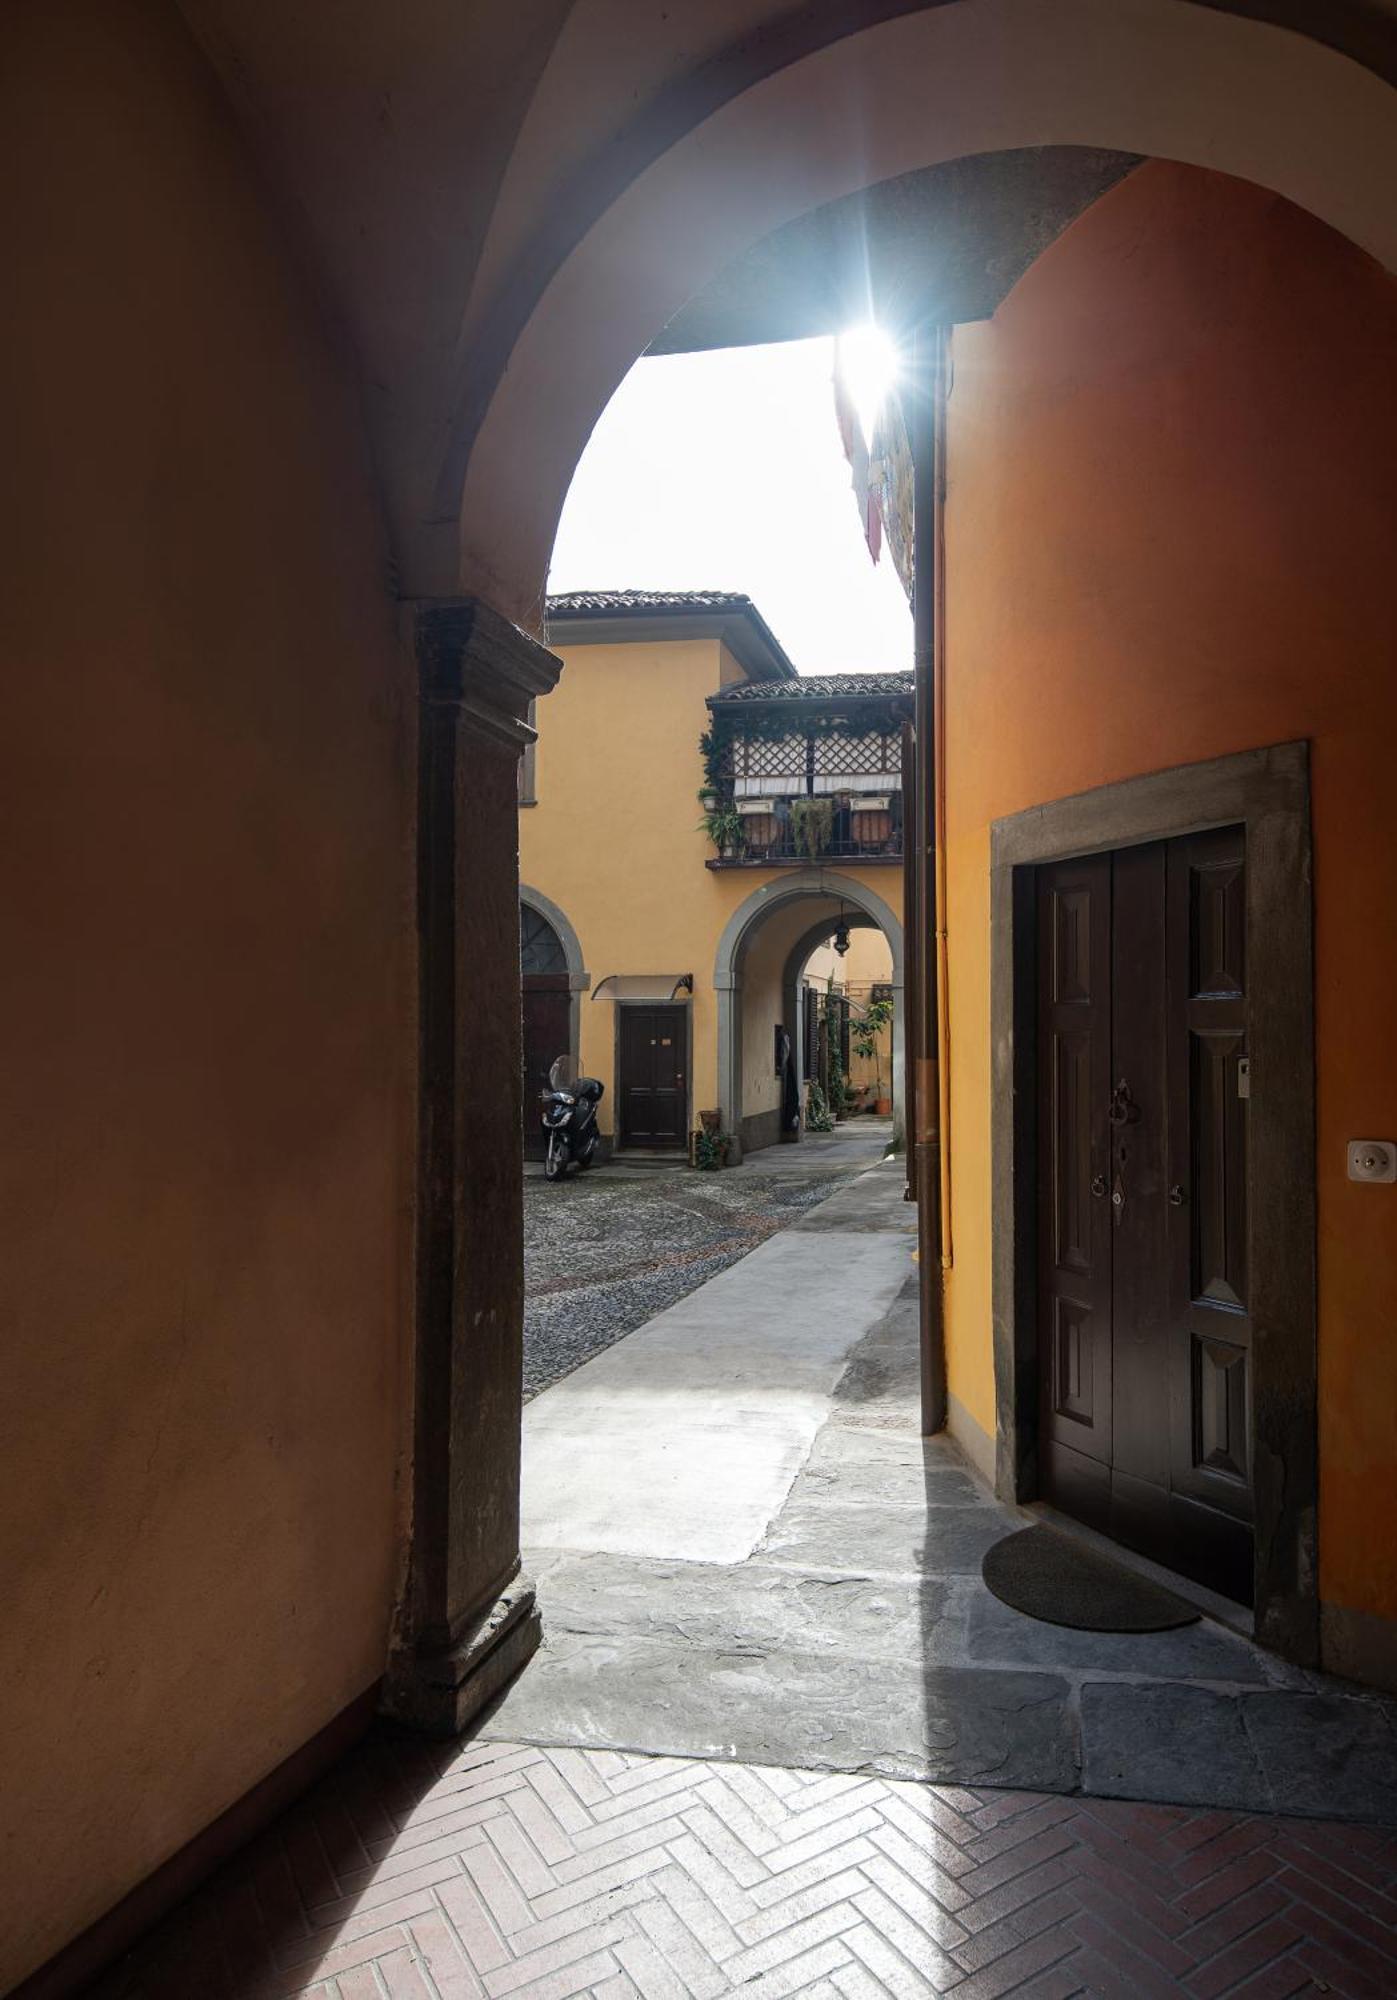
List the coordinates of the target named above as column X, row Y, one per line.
column 643, row 986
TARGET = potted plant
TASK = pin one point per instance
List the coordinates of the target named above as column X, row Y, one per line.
column 867, row 1037
column 818, row 1116
column 723, row 825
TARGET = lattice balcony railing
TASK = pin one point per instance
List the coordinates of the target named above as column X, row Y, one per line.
column 811, row 763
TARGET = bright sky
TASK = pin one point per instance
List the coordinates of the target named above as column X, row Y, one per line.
column 724, row 471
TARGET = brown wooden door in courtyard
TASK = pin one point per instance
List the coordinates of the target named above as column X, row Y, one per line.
column 547, row 1028
column 651, row 1076
column 1144, row 1333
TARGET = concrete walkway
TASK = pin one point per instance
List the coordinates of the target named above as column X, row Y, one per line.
column 745, row 1551
column 608, row 1250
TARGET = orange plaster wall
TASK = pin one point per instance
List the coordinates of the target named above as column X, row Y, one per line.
column 206, row 890
column 1171, row 533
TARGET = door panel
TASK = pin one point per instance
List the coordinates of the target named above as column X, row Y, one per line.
column 1137, row 1116
column 1074, row 1216
column 1145, row 1340
column 651, row 1089
column 1210, row 1325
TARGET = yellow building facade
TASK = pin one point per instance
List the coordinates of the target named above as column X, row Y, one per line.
column 657, row 935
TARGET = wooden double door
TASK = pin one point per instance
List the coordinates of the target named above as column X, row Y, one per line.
column 651, row 1088
column 1143, row 1084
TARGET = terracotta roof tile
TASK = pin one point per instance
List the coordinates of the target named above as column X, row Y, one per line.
column 818, row 687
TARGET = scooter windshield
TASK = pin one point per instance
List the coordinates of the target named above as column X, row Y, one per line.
column 564, row 1073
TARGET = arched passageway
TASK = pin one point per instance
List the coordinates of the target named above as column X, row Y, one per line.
column 764, row 945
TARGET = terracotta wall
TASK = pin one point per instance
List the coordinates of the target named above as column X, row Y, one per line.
column 1171, row 530
column 206, row 927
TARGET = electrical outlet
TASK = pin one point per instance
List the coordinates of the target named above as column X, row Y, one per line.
column 1372, row 1160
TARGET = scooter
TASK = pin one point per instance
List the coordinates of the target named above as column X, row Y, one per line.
column 569, row 1108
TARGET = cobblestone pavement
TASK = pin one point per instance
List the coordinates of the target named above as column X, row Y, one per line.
column 605, row 1252
column 419, row 1872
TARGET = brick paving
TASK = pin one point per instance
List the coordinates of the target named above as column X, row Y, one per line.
column 485, row 1870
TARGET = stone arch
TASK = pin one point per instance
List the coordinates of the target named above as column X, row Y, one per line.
column 579, row 979
column 578, row 976
column 1161, row 77
column 743, row 925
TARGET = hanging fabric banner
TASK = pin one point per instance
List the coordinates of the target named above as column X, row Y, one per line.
column 880, row 474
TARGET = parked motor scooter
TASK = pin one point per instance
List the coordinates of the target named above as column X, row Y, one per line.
column 569, row 1108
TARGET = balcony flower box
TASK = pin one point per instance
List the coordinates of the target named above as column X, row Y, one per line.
column 871, row 821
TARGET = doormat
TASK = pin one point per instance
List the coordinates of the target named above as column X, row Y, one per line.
column 1049, row 1576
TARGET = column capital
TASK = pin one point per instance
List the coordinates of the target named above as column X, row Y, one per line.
column 474, row 660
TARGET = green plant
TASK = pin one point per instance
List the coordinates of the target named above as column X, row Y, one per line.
column 866, row 1033
column 712, row 1150
column 838, row 1091
column 818, row 1116
column 723, row 825
column 812, row 824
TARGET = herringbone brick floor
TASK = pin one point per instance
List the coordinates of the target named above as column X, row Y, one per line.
column 489, row 1870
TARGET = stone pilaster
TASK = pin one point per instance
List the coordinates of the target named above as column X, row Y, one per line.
column 470, row 1620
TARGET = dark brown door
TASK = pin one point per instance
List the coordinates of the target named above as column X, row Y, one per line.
column 1144, row 1336
column 651, row 1088
column 547, row 1028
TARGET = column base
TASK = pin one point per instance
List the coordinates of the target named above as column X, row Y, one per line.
column 442, row 1693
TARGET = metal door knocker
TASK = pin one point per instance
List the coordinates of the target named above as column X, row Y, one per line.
column 1124, row 1110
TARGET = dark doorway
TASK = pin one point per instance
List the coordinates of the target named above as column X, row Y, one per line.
column 547, row 999
column 652, row 1061
column 1143, row 1083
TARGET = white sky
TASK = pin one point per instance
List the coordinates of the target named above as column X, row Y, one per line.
column 724, row 471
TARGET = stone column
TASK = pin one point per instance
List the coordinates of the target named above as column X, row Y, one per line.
column 469, row 1620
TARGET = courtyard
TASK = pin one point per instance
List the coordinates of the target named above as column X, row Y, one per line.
column 606, row 1249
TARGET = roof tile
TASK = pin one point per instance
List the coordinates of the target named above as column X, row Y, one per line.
column 817, row 687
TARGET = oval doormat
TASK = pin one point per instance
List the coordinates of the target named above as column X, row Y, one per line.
column 1049, row 1576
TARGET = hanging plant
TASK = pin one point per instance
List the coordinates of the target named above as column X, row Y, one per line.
column 812, row 826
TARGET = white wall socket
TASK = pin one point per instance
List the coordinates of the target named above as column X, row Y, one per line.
column 1372, row 1160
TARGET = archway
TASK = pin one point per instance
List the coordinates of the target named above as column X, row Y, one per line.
column 792, row 980
column 553, row 980
column 812, row 899
column 1160, row 77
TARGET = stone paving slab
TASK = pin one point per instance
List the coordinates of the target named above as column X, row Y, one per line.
column 754, row 1605
column 829, row 1710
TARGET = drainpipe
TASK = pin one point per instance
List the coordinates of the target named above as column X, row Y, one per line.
column 941, row 391
column 911, row 1005
column 927, row 403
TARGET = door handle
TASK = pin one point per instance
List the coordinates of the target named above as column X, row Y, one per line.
column 1098, row 1185
column 1177, row 1196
